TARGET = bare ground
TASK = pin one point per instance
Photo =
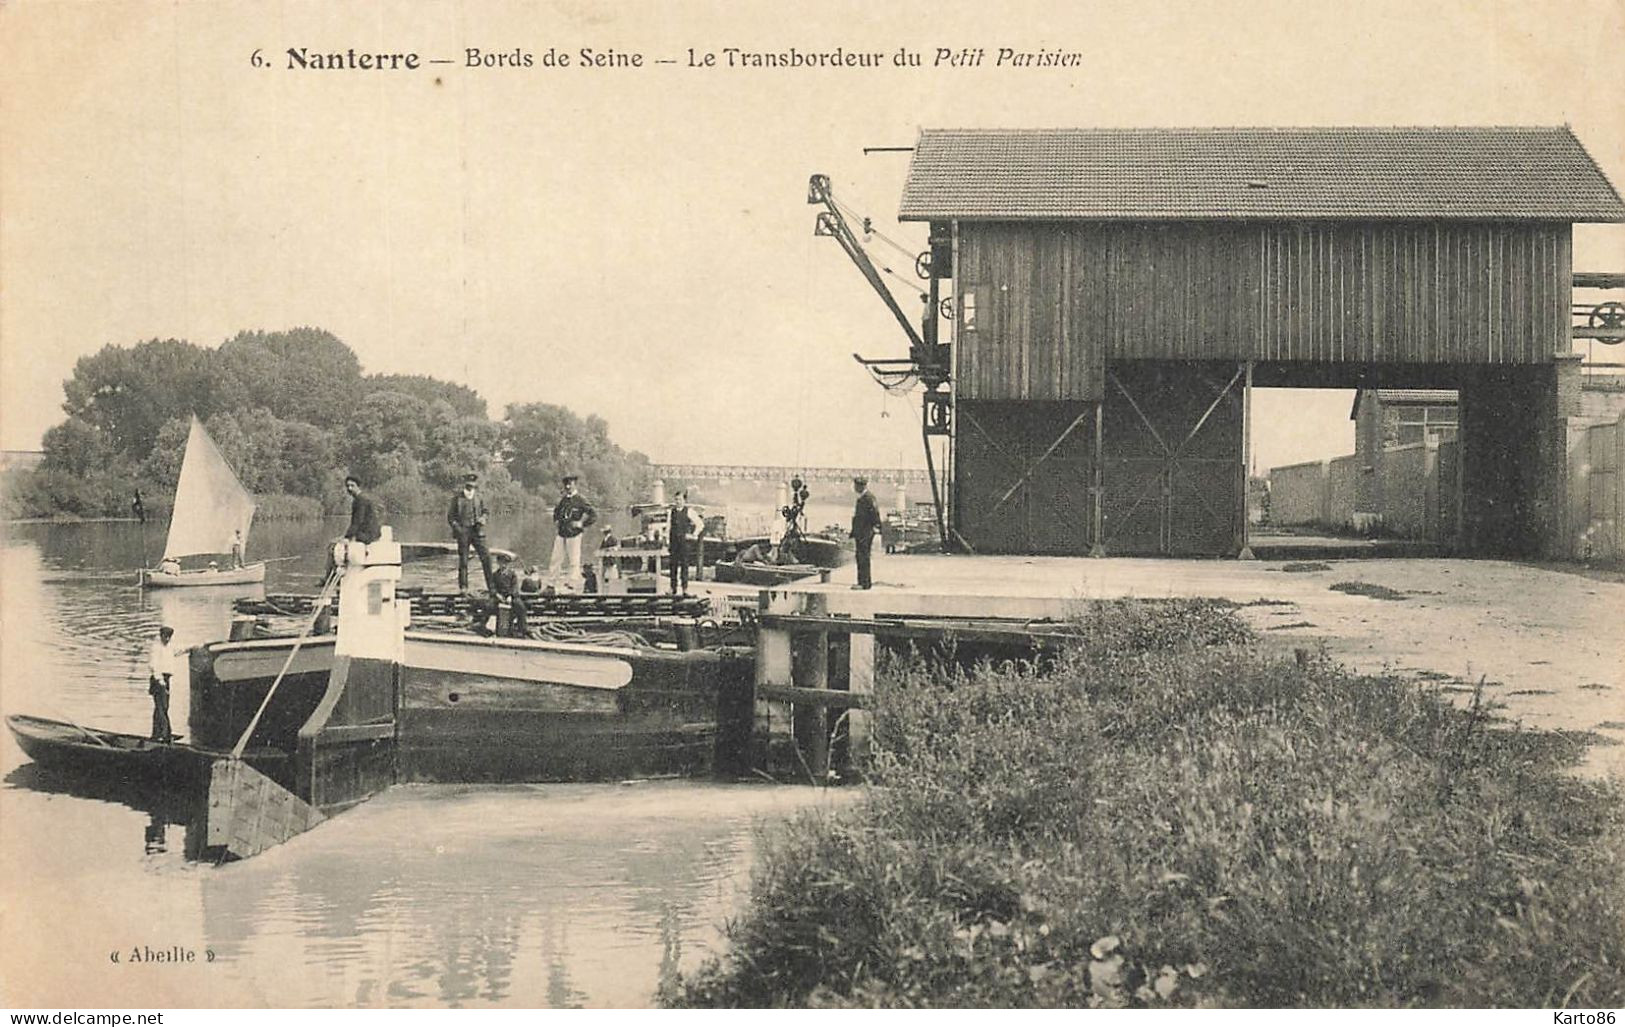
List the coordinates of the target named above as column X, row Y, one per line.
column 1549, row 642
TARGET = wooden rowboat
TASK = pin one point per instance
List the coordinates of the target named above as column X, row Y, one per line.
column 765, row 575
column 818, row 550
column 114, row 755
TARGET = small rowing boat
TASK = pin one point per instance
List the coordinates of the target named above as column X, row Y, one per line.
column 765, row 575
column 112, row 754
column 819, row 550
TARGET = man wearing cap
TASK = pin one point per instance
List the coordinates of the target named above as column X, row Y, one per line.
column 571, row 517
column 865, row 522
column 467, row 519
column 160, row 671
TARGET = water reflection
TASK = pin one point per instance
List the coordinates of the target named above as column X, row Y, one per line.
column 560, row 896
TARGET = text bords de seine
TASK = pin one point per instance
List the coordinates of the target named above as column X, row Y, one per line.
column 300, row 58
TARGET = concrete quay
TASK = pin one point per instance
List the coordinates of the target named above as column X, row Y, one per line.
column 1549, row 642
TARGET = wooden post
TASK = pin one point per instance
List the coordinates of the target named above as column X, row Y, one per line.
column 1431, row 519
column 810, row 669
column 1098, row 548
column 860, row 678
column 772, row 668
column 1245, row 550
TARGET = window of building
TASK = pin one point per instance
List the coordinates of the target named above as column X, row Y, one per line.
column 1416, row 423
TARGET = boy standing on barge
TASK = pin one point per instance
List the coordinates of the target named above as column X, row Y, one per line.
column 160, row 672
column 571, row 517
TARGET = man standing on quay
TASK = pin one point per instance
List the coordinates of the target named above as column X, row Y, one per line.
column 865, row 522
column 571, row 517
column 467, row 519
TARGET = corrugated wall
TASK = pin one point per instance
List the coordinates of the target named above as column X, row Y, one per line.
column 1054, row 301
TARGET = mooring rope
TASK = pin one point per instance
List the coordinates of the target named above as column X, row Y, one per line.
column 552, row 632
column 317, row 608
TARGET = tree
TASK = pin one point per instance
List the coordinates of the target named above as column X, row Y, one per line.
column 304, row 374
column 539, row 441
column 310, row 460
column 386, row 422
column 454, row 446
column 291, row 413
column 464, row 401
column 128, row 394
column 76, row 447
column 163, row 465
column 542, row 442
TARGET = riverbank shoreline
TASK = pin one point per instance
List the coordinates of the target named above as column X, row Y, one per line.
column 1177, row 814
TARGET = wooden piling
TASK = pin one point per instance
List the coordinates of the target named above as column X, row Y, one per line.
column 773, row 716
column 810, row 671
column 860, row 682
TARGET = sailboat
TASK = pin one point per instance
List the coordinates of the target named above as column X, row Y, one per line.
column 212, row 509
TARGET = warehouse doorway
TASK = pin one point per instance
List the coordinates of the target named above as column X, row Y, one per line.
column 1173, row 459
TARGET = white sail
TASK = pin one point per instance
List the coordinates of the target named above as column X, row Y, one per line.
column 210, row 503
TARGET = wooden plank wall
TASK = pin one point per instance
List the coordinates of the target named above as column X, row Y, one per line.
column 1055, row 301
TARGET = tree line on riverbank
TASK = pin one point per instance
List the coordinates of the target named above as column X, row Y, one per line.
column 1173, row 815
column 293, row 413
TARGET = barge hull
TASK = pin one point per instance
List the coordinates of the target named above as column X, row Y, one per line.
column 467, row 708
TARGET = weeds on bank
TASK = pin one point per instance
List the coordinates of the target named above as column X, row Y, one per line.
column 1171, row 817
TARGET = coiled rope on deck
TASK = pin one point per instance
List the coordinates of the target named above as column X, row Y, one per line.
column 555, row 632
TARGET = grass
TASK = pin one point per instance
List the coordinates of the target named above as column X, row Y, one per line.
column 1172, row 817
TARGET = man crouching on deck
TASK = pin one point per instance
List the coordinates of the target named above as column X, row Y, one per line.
column 160, row 669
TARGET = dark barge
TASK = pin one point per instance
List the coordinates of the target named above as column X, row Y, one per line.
column 382, row 699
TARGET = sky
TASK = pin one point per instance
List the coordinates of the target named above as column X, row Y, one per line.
column 635, row 242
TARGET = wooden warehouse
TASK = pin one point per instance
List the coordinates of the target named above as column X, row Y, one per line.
column 1117, row 294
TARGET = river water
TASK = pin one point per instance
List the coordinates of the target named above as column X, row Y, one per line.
column 538, row 895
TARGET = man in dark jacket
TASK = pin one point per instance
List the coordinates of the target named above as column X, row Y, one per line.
column 571, row 517
column 865, row 522
column 467, row 519
column 364, row 522
column 685, row 526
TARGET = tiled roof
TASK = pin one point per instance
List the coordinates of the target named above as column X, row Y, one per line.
column 1438, row 396
column 1405, row 397
column 1257, row 173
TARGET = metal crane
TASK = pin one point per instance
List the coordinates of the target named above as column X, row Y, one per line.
column 928, row 360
